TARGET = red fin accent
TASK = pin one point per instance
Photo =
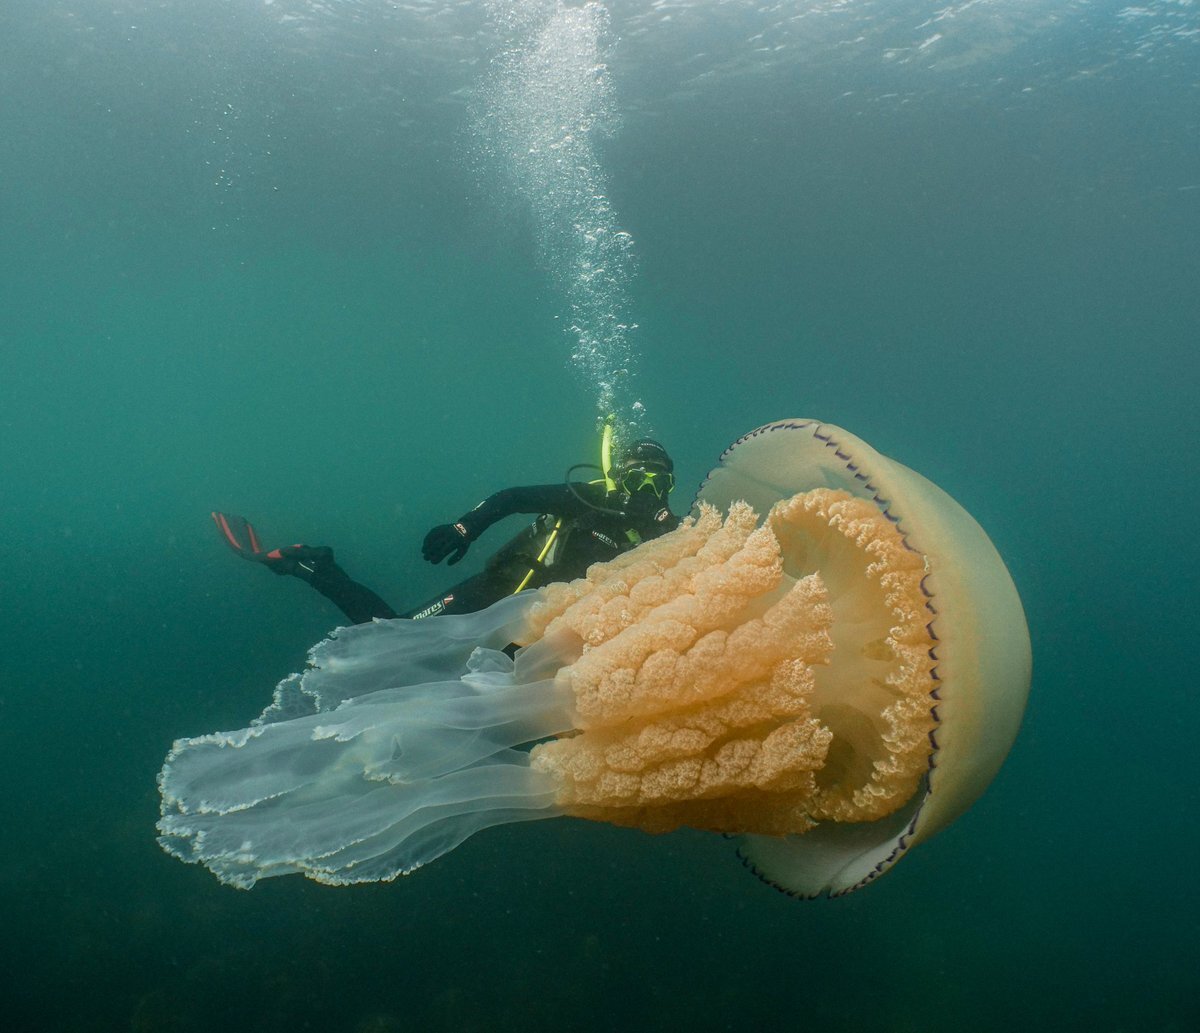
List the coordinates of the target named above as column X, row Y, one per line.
column 223, row 527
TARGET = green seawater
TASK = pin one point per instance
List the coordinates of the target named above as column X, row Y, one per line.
column 251, row 259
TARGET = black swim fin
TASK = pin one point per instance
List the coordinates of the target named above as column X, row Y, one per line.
column 240, row 536
column 304, row 561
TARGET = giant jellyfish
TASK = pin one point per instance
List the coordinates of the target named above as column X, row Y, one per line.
column 828, row 659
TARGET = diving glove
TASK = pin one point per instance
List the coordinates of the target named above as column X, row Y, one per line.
column 451, row 540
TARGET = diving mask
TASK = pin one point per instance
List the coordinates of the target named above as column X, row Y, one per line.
column 639, row 478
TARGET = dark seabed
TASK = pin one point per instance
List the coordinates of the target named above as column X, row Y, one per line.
column 280, row 257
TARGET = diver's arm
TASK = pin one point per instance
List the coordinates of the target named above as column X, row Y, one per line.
column 452, row 540
column 558, row 499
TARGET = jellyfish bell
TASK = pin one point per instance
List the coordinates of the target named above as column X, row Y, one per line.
column 827, row 658
column 980, row 643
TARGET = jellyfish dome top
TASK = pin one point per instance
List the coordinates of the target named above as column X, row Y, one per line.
column 828, row 659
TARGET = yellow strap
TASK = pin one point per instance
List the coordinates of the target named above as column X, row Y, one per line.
column 541, row 555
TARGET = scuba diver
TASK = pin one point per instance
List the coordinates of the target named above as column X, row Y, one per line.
column 578, row 524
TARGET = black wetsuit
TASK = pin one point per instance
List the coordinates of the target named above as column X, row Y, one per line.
column 585, row 535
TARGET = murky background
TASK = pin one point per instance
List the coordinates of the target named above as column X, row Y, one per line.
column 347, row 267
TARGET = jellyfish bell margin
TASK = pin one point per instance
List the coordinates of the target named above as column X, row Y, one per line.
column 828, row 659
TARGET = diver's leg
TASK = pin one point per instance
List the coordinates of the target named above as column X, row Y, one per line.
column 311, row 563
column 356, row 601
